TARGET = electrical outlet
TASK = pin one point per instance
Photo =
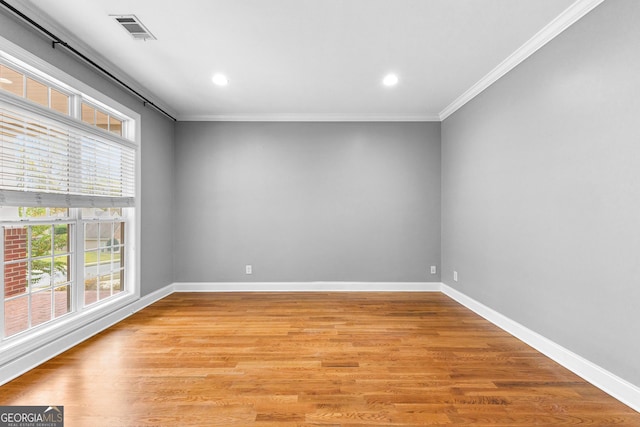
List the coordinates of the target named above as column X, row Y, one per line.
column 455, row 276
column 433, row 269
column 248, row 269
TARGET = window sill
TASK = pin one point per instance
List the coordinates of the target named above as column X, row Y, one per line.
column 21, row 345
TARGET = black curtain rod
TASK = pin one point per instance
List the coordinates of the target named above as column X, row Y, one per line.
column 57, row 40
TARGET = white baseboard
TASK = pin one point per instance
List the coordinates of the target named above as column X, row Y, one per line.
column 615, row 386
column 611, row 384
column 307, row 286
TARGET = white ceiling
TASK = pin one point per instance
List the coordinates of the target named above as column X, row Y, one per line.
column 309, row 59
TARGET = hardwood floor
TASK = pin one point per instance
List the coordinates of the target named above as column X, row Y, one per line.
column 311, row 359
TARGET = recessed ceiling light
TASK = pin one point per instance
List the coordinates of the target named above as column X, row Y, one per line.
column 220, row 79
column 390, row 80
column 5, row 81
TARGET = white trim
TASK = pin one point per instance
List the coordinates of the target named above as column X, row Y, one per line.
column 48, row 349
column 19, row 346
column 567, row 18
column 307, row 287
column 615, row 386
column 45, row 341
column 563, row 21
column 307, row 118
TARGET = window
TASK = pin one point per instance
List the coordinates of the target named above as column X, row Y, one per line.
column 101, row 119
column 11, row 80
column 68, row 167
column 38, row 276
column 104, row 253
column 19, row 84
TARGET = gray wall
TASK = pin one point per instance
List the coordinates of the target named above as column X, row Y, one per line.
column 157, row 200
column 307, row 201
column 156, row 151
column 540, row 186
column 541, row 191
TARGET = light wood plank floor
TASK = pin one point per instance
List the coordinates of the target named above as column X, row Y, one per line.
column 311, row 359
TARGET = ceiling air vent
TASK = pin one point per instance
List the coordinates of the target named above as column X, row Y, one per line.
column 134, row 27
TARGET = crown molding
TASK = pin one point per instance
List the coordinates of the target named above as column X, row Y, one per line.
column 563, row 21
column 44, row 20
column 307, row 118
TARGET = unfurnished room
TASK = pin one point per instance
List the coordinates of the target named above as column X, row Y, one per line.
column 296, row 213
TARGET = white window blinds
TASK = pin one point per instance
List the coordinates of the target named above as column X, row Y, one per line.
column 47, row 159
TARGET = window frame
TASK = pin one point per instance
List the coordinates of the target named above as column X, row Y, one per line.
column 99, row 108
column 71, row 253
column 27, row 73
column 83, row 222
column 61, row 328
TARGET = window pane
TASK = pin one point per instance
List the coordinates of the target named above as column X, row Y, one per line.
column 105, row 266
column 41, row 274
column 104, row 288
column 102, row 120
column 116, row 252
column 104, row 256
column 15, row 243
column 61, row 238
column 41, row 307
column 91, row 260
column 59, row 102
column 16, row 316
column 115, row 126
column 118, row 233
column 97, row 213
column 11, row 81
column 43, row 212
column 37, row 281
column 118, row 282
column 91, row 237
column 37, row 92
column 90, row 290
column 89, row 213
column 121, row 257
column 62, row 300
column 114, row 236
column 88, row 114
column 40, row 240
column 62, row 273
column 59, row 212
column 15, row 279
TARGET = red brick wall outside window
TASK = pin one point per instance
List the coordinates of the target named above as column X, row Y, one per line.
column 15, row 248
